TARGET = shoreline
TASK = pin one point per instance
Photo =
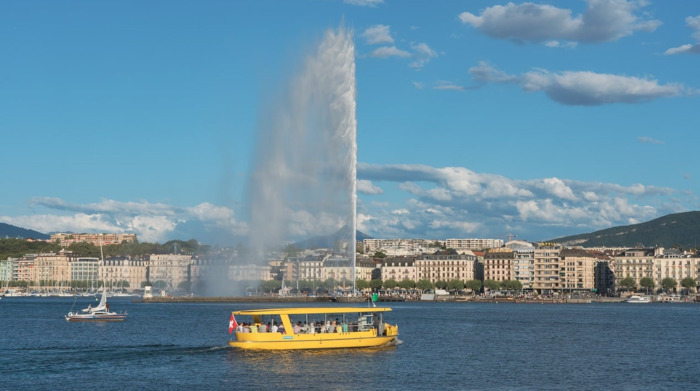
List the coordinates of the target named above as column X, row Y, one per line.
column 324, row 299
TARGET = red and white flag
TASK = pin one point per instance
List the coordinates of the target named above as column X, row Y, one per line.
column 232, row 324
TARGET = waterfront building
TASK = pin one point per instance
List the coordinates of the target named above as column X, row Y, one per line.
column 446, row 267
column 473, row 244
column 52, row 271
column 576, row 270
column 311, row 266
column 337, row 269
column 546, row 268
column 604, row 274
column 364, row 267
column 125, row 273
column 399, row 268
column 499, row 264
column 8, row 270
column 636, row 263
column 171, row 269
column 524, row 266
column 676, row 265
column 85, row 269
column 249, row 272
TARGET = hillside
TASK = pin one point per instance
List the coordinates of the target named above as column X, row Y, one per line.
column 10, row 231
column 674, row 230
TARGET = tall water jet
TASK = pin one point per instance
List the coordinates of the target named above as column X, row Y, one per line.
column 303, row 181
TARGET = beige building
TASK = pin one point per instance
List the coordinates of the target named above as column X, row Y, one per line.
column 546, row 268
column 52, row 271
column 473, row 244
column 399, row 268
column 636, row 263
column 173, row 269
column 445, row 267
column 577, row 270
column 498, row 264
column 66, row 239
column 117, row 271
column 524, row 266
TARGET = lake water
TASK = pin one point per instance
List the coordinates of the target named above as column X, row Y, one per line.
column 445, row 346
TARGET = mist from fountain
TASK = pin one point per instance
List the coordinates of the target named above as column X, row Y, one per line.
column 303, row 180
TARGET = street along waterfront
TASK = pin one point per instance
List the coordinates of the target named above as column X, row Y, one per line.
column 451, row 346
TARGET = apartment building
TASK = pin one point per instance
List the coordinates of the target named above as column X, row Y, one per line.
column 524, row 266
column 546, row 268
column 499, row 264
column 172, row 269
column 66, row 239
column 473, row 244
column 446, row 267
column 124, row 273
column 399, row 268
column 576, row 270
column 636, row 263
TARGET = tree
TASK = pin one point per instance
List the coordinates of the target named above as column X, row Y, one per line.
column 689, row 283
column 491, row 284
column 669, row 283
column 628, row 283
column 407, row 283
column 441, row 284
column 390, row 283
column 291, row 250
column 424, row 285
column 647, row 283
column 361, row 284
column 455, row 285
column 474, row 285
column 375, row 284
column 512, row 285
column 379, row 255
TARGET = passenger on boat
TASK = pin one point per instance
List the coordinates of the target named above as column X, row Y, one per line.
column 262, row 328
column 297, row 328
column 253, row 328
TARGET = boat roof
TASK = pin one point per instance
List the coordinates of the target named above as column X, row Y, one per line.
column 311, row 310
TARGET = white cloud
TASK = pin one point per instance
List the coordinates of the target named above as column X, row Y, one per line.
column 367, row 187
column 454, row 199
column 582, row 88
column 649, row 140
column 364, row 3
column 378, row 34
column 603, row 20
column 151, row 222
column 389, row 51
column 422, row 54
column 694, row 23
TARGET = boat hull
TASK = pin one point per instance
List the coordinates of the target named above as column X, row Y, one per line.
column 97, row 319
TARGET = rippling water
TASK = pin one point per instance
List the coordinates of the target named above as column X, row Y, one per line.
column 447, row 346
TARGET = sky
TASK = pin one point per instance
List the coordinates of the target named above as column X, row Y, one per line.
column 475, row 119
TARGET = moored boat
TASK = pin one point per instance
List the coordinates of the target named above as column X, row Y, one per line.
column 635, row 299
column 311, row 328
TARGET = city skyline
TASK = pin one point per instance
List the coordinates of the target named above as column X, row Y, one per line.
column 474, row 119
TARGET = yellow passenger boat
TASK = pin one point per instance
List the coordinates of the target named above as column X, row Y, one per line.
column 311, row 328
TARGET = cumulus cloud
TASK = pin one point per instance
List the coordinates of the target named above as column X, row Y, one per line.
column 694, row 23
column 367, row 187
column 420, row 53
column 582, row 88
column 378, row 34
column 603, row 20
column 151, row 222
column 364, row 3
column 448, row 201
column 389, row 51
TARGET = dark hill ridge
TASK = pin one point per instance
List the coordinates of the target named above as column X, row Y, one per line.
column 10, row 231
column 678, row 229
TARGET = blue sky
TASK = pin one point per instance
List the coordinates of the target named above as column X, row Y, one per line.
column 474, row 118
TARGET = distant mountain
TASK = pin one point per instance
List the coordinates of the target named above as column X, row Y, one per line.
column 10, row 231
column 329, row 240
column 679, row 229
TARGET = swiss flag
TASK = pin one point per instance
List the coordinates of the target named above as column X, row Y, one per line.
column 232, row 324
